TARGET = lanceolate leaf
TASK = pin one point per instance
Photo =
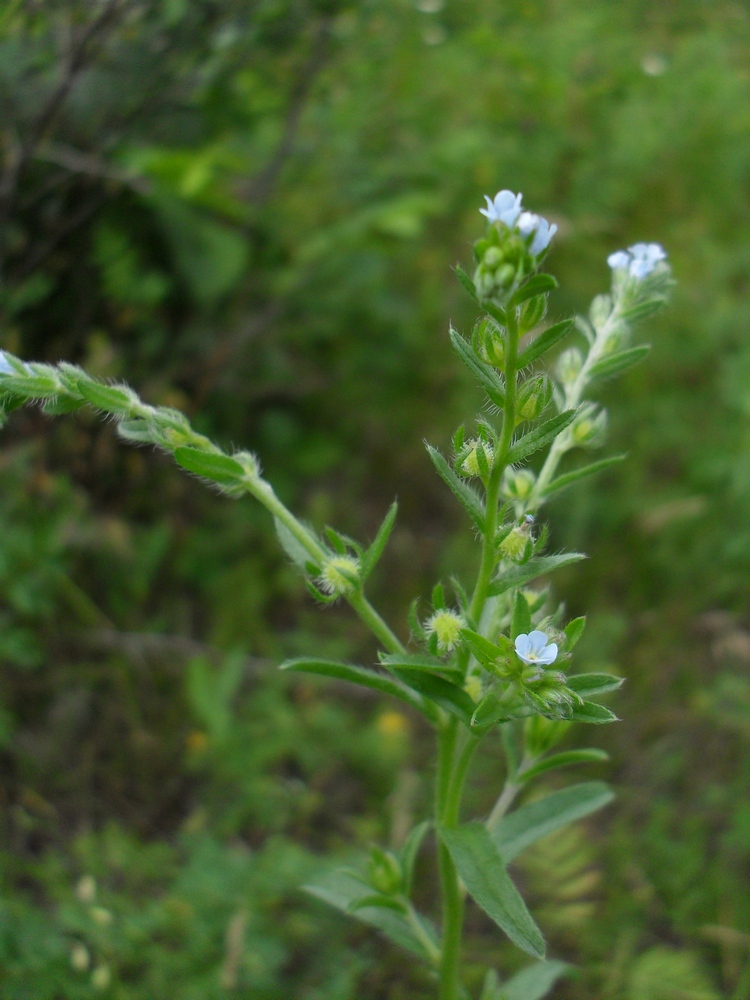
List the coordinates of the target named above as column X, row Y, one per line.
column 486, row 374
column 466, row 281
column 218, row 468
column 568, row 478
column 517, row 576
column 537, row 285
column 540, row 436
column 361, row 676
column 293, row 548
column 514, row 833
column 544, row 341
column 449, row 696
column 614, row 364
column 589, row 711
column 567, row 758
column 375, row 551
column 483, row 872
column 344, row 891
column 534, row 982
column 410, row 850
column 465, row 495
column 521, row 622
column 419, row 661
column 587, row 685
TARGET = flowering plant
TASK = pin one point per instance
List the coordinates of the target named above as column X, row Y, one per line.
column 496, row 655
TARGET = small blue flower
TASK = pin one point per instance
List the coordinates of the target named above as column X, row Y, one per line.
column 645, row 258
column 505, row 208
column 639, row 260
column 619, row 261
column 543, row 232
column 536, row 648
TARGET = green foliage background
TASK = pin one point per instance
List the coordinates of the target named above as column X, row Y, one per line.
column 250, row 209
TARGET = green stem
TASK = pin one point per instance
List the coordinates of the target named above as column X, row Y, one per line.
column 450, row 889
column 500, row 461
column 573, row 395
column 264, row 492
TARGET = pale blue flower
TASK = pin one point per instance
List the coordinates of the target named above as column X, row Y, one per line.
column 639, row 260
column 6, row 368
column 543, row 232
column 536, row 648
column 645, row 258
column 505, row 208
column 619, row 261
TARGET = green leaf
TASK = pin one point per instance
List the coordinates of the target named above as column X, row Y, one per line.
column 547, row 339
column 485, row 374
column 361, row 676
column 489, row 711
column 441, row 692
column 514, row 833
column 614, row 364
column 375, row 551
column 378, row 899
column 538, row 285
column 31, row 386
column 568, row 758
column 534, row 982
column 343, row 890
column 218, row 468
column 139, row 431
column 419, row 661
column 465, row 495
column 521, row 624
column 540, row 436
column 517, row 576
column 466, row 281
column 292, row 546
column 483, row 872
column 587, row 685
column 62, row 404
column 643, row 309
column 105, row 397
column 483, row 649
column 410, row 850
column 567, row 478
column 574, row 631
column 589, row 711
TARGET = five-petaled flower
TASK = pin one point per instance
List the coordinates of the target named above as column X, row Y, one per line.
column 536, row 648
column 529, row 223
column 639, row 260
column 504, row 207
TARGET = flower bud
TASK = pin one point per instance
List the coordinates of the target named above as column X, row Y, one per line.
column 339, row 575
column 470, row 465
column 518, row 485
column 569, row 365
column 600, row 310
column 514, row 544
column 446, row 626
column 384, row 872
column 492, row 341
column 589, row 429
column 79, row 957
column 534, row 397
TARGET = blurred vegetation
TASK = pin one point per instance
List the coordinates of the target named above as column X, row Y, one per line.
column 249, row 209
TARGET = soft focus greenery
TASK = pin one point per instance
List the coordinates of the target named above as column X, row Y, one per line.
column 250, row 210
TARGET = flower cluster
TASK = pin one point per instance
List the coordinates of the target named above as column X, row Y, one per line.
column 505, row 208
column 639, row 260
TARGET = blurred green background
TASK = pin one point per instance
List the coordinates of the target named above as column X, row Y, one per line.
column 250, row 209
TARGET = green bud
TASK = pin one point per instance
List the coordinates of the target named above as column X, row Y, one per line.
column 534, row 397
column 471, row 463
column 513, row 546
column 518, row 485
column 600, row 311
column 446, row 626
column 589, row 429
column 532, row 312
column 340, row 575
column 493, row 258
column 492, row 342
column 569, row 366
column 384, row 872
